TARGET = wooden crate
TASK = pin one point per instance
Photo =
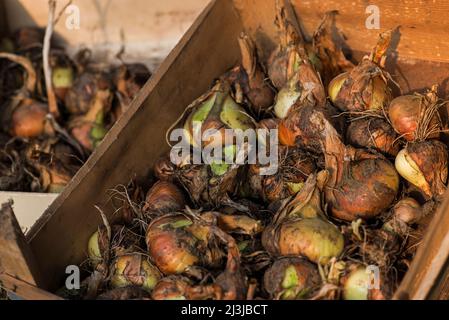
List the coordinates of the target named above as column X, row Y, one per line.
column 207, row 50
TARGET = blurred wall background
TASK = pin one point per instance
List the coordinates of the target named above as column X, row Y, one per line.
column 150, row 28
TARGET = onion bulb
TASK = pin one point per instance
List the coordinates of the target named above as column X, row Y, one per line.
column 28, row 119
column 176, row 244
column 424, row 164
column 303, row 126
column 134, row 269
column 415, row 117
column 358, row 284
column 360, row 184
column 216, row 110
column 373, row 133
column 365, row 87
column 164, row 197
column 291, row 278
column 303, row 232
column 172, row 288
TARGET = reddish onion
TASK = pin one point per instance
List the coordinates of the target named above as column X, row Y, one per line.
column 360, row 184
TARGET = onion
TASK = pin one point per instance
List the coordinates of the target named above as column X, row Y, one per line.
column 302, row 127
column 216, row 110
column 291, row 278
column 176, row 244
column 164, row 169
column 424, row 164
column 356, row 285
column 373, row 133
column 62, row 79
column 164, row 197
column 366, row 87
column 294, row 168
column 290, row 69
column 172, row 288
column 28, row 119
column 405, row 213
column 89, row 129
column 134, row 269
column 360, row 184
column 415, row 117
column 300, row 228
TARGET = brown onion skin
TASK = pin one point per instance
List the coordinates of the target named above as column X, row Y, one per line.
column 367, row 188
column 308, row 276
column 431, row 156
column 301, row 129
column 164, row 197
column 81, row 132
column 173, row 250
column 294, row 168
column 405, row 112
column 373, row 133
column 356, row 93
column 28, row 120
column 170, row 288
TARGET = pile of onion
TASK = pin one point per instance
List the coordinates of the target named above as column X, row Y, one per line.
column 424, row 161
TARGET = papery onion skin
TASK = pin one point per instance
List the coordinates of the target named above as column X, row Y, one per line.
column 407, row 210
column 367, row 188
column 425, row 165
column 164, row 169
column 164, row 197
column 373, row 133
column 291, row 278
column 405, row 113
column 134, row 269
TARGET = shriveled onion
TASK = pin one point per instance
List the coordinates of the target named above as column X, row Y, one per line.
column 425, row 165
column 405, row 213
column 134, row 269
column 366, row 87
column 291, row 278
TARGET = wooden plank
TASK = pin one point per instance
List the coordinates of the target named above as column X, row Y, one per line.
column 423, row 30
column 208, row 49
column 16, row 259
column 25, row 290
